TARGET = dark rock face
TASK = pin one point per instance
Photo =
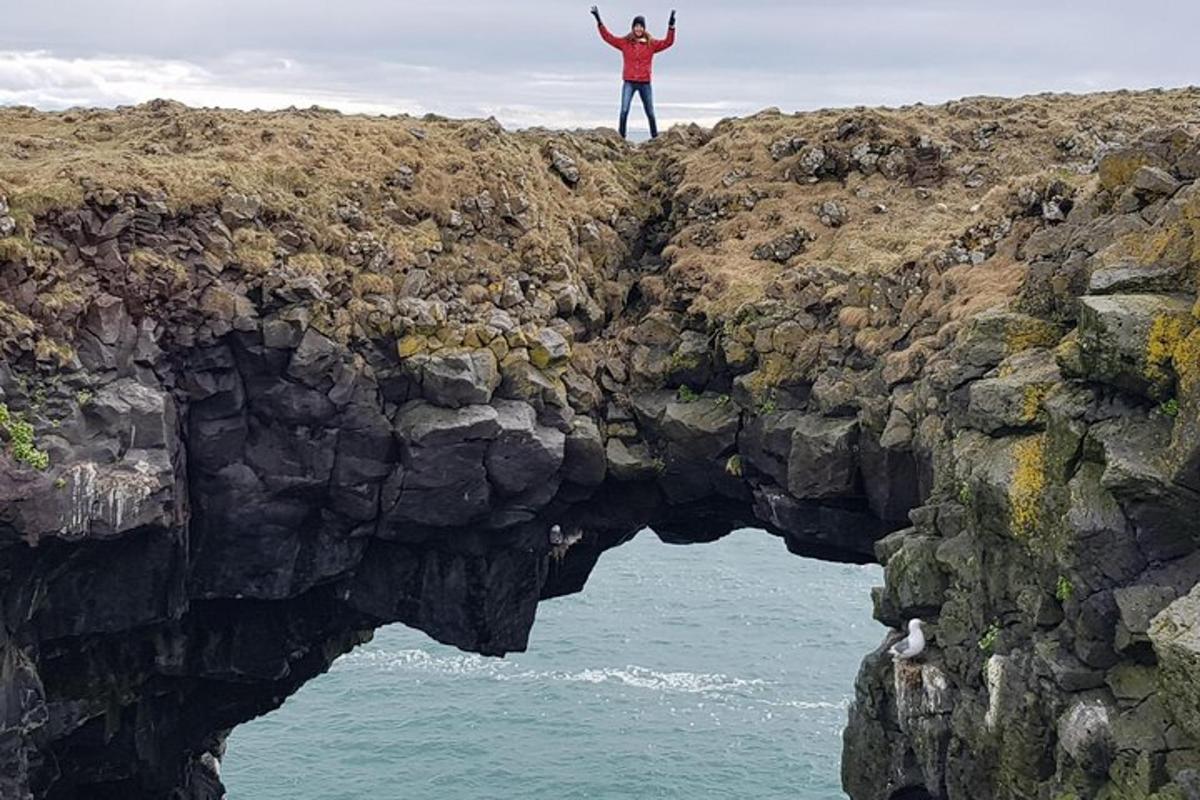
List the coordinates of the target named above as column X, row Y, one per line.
column 241, row 491
column 224, row 525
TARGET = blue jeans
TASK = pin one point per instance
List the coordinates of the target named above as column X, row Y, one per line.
column 647, row 94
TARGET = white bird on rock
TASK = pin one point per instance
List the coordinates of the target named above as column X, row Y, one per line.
column 912, row 645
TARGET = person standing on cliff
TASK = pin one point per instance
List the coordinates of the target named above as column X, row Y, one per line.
column 638, row 47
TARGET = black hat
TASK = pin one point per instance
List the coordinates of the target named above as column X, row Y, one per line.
column 638, row 20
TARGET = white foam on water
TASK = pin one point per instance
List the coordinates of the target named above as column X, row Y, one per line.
column 633, row 676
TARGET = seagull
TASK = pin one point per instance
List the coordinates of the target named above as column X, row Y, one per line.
column 912, row 645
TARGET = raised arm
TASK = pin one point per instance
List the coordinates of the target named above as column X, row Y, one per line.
column 615, row 41
column 663, row 44
column 606, row 35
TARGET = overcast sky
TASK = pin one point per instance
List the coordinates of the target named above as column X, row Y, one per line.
column 540, row 62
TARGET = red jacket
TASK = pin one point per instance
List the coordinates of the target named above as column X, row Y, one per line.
column 638, row 53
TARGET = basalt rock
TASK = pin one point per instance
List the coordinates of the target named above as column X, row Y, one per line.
column 255, row 452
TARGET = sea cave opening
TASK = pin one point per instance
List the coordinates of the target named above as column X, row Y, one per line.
column 718, row 669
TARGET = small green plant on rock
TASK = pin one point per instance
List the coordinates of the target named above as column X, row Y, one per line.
column 768, row 404
column 83, row 398
column 686, row 394
column 1170, row 408
column 964, row 493
column 987, row 642
column 733, row 466
column 19, row 435
column 1064, row 590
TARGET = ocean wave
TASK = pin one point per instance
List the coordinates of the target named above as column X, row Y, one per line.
column 643, row 678
column 633, row 676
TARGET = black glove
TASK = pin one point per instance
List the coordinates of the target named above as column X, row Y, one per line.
column 671, row 23
column 596, row 14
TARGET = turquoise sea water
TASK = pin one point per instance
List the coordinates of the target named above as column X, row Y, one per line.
column 707, row 671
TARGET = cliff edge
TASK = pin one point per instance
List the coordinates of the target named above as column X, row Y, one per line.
column 272, row 380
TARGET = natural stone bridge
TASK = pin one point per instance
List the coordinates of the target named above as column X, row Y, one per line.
column 256, row 453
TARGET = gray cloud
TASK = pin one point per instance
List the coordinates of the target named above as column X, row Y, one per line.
column 540, row 61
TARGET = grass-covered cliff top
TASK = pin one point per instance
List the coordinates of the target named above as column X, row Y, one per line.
column 360, row 203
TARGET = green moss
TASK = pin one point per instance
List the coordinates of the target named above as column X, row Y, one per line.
column 1170, row 407
column 685, row 394
column 1064, row 590
column 21, row 447
column 987, row 642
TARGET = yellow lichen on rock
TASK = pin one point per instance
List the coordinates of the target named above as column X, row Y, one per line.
column 1166, row 333
column 1031, row 400
column 1028, row 485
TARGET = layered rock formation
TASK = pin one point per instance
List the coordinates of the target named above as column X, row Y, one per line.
column 272, row 381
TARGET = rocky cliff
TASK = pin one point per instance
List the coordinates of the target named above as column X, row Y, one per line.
column 270, row 381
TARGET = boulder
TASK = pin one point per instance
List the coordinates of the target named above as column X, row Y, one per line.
column 632, row 462
column 460, row 377
column 442, row 480
column 1153, row 182
column 1129, row 340
column 524, row 454
column 1085, row 734
column 782, row 248
column 915, row 579
column 823, row 459
column 523, row 381
column 766, row 442
column 584, row 459
column 706, row 426
column 419, row 424
column 1131, row 277
column 549, row 348
column 988, row 338
column 1137, row 606
column 1175, row 635
column 1011, row 400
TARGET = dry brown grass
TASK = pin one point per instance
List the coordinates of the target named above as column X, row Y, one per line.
column 1023, row 152
column 306, row 166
